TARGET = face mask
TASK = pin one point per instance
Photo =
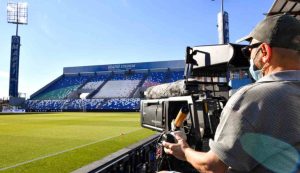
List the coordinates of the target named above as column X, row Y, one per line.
column 256, row 74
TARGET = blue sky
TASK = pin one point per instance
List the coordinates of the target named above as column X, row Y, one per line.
column 65, row 33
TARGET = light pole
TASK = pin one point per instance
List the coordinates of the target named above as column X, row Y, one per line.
column 223, row 25
column 17, row 13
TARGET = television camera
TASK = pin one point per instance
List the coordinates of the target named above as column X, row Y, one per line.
column 212, row 73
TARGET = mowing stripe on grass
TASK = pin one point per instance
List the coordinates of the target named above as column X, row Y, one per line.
column 61, row 152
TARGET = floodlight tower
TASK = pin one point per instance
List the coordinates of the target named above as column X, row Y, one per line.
column 16, row 14
column 223, row 25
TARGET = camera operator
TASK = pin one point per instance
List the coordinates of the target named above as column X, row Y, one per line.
column 259, row 129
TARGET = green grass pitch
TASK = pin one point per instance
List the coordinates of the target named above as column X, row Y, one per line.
column 63, row 142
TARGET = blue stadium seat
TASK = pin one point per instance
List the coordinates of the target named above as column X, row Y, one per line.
column 118, row 88
column 62, row 88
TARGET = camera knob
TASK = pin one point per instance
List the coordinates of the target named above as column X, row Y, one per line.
column 169, row 138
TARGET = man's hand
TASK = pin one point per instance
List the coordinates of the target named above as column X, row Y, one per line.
column 177, row 150
column 202, row 161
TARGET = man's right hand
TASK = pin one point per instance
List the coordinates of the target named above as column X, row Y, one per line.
column 177, row 149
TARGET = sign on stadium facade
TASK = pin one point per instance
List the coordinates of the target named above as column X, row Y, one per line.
column 14, row 66
column 128, row 66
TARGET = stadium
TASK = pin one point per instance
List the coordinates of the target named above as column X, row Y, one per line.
column 104, row 87
column 110, row 118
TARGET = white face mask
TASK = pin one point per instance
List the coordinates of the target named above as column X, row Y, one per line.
column 256, row 74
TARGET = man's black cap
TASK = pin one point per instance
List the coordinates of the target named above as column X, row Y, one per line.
column 278, row 31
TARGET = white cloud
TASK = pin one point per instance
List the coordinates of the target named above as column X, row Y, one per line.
column 125, row 3
column 44, row 25
column 4, row 84
column 4, row 74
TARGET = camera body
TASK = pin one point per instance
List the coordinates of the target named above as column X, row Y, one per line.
column 200, row 124
column 212, row 74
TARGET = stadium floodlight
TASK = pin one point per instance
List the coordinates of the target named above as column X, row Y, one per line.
column 223, row 25
column 17, row 13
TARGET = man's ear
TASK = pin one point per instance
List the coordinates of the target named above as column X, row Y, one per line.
column 267, row 52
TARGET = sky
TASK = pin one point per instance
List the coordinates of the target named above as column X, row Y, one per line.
column 68, row 33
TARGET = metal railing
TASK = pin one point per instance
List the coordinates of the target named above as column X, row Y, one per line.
column 137, row 158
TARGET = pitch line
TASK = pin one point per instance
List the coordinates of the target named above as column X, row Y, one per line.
column 54, row 154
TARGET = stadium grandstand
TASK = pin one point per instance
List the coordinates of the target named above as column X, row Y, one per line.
column 103, row 87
